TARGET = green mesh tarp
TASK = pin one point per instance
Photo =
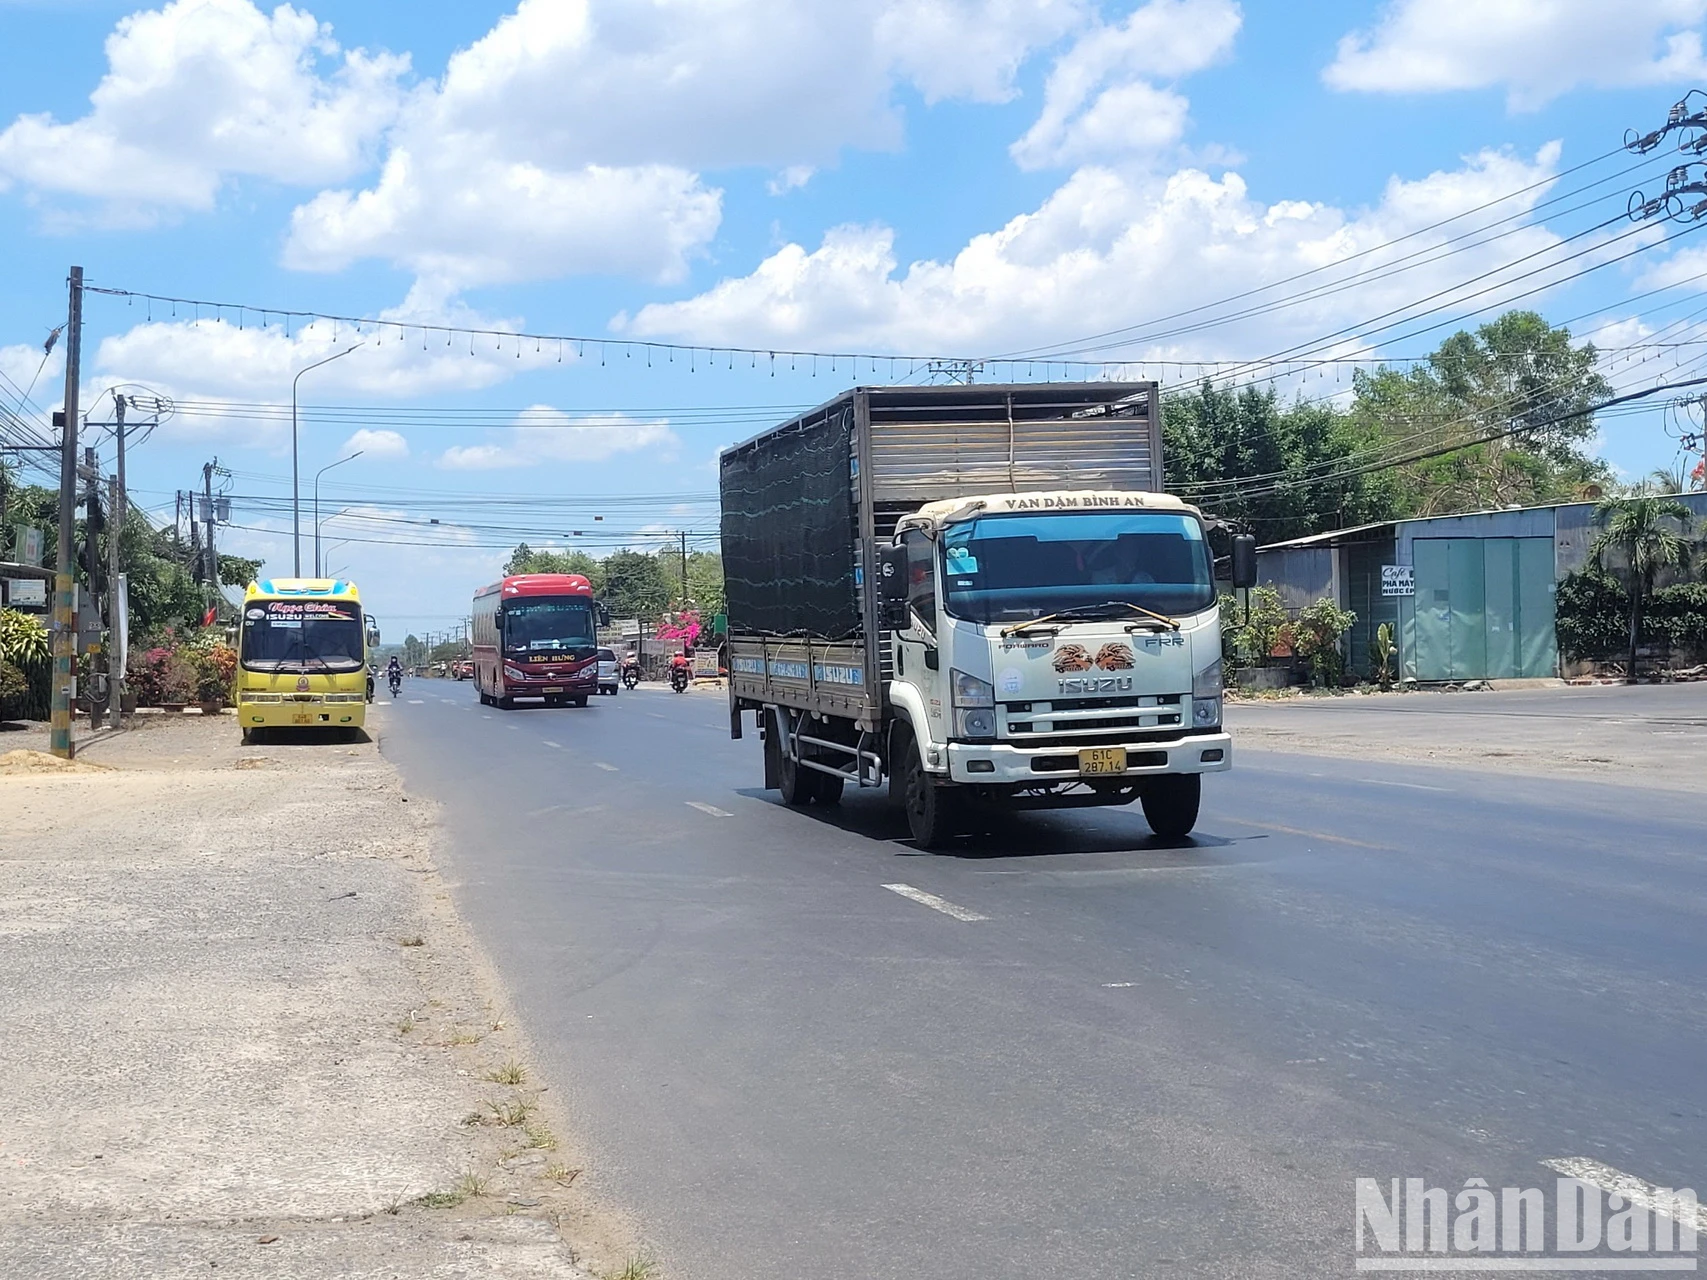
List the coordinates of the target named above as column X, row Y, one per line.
column 789, row 535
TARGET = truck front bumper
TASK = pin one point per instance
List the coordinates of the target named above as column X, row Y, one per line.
column 302, row 711
column 1003, row 764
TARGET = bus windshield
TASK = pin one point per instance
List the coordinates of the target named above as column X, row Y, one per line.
column 547, row 624
column 1012, row 567
column 304, row 636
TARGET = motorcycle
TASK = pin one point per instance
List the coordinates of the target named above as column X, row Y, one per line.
column 679, row 677
column 370, row 683
column 630, row 675
column 395, row 679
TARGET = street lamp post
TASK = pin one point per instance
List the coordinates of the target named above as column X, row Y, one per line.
column 323, row 470
column 295, row 485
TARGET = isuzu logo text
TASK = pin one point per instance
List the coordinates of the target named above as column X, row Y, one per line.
column 1095, row 684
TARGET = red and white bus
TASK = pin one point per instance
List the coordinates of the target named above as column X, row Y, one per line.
column 535, row 636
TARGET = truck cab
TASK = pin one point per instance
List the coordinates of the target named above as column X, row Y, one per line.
column 1053, row 649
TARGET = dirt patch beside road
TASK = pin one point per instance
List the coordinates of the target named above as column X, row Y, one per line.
column 1647, row 736
column 245, row 1030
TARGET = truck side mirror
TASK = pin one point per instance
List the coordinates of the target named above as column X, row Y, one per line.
column 892, row 587
column 1244, row 560
column 604, row 614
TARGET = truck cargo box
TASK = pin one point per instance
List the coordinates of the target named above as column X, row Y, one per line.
column 806, row 503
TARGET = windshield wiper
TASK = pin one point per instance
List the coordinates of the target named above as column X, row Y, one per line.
column 1090, row 613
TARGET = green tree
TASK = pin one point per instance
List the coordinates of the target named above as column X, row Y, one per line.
column 635, row 585
column 1518, row 379
column 524, row 559
column 1289, row 458
column 1636, row 531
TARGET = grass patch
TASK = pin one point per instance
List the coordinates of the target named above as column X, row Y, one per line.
column 405, row 1025
column 471, row 1184
column 414, row 940
column 539, row 1138
column 562, row 1175
column 512, row 1072
column 636, row 1268
column 439, row 1200
column 509, row 1114
column 461, row 1037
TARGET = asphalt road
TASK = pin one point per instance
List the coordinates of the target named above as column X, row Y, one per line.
column 1137, row 1060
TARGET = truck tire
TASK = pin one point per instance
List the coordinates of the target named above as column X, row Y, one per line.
column 1170, row 803
column 799, row 786
column 933, row 810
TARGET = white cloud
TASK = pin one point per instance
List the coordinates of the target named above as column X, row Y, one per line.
column 570, row 138
column 205, row 89
column 1108, row 249
column 791, row 178
column 1534, row 49
column 232, row 359
column 542, row 433
column 1099, row 101
column 462, row 217
column 971, row 49
column 376, row 444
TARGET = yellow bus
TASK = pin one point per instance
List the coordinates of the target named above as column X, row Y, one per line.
column 302, row 656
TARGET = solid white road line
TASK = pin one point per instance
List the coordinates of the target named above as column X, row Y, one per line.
column 1408, row 786
column 934, row 903
column 712, row 809
column 608, row 768
column 1634, row 1190
column 550, row 743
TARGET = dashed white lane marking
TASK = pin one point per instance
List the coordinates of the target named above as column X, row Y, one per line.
column 608, row 768
column 417, row 702
column 656, row 716
column 1116, row 986
column 934, row 903
column 557, row 745
column 1408, row 786
column 712, row 809
column 485, row 717
column 1635, row 1191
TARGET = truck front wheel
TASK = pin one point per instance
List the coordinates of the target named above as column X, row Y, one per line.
column 933, row 810
column 1170, row 803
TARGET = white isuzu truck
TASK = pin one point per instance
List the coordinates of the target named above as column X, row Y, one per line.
column 979, row 596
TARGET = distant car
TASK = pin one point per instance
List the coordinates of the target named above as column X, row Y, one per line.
column 610, row 672
column 463, row 670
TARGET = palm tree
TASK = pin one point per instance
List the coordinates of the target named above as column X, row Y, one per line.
column 1636, row 528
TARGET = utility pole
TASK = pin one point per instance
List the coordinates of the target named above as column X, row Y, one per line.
column 684, row 566
column 92, row 559
column 64, row 584
column 212, row 556
column 117, row 612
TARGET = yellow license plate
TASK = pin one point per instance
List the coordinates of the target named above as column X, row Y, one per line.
column 1093, row 760
column 553, row 688
column 302, row 717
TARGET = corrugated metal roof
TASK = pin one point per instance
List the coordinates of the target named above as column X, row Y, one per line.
column 1317, row 539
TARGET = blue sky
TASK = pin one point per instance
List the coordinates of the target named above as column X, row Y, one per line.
column 888, row 176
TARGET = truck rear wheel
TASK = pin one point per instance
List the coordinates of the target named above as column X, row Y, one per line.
column 1170, row 803
column 799, row 785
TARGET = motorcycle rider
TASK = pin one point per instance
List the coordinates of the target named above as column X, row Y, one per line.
column 394, row 674
column 681, row 671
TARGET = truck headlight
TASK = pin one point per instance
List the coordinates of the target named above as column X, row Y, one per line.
column 975, row 722
column 1206, row 697
column 970, row 691
column 515, row 673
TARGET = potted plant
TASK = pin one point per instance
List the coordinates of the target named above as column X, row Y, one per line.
column 215, row 665
column 178, row 682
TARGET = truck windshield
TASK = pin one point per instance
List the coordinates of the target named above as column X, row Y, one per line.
column 547, row 623
column 303, row 636
column 1012, row 567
